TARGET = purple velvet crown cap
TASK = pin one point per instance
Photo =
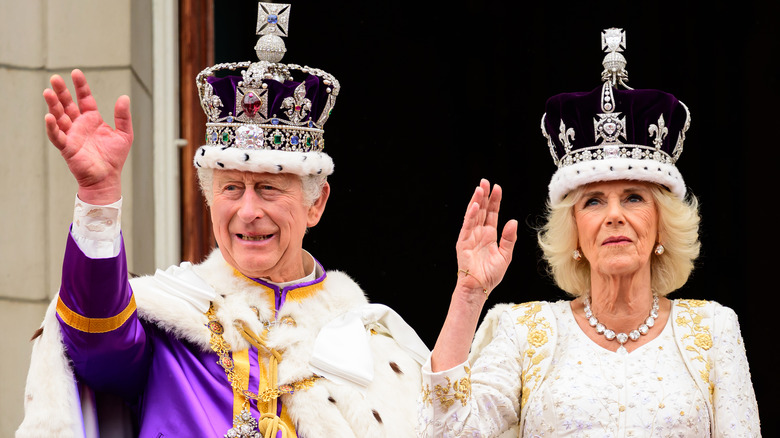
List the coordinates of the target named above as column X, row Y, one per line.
column 612, row 134
column 226, row 87
column 264, row 120
column 640, row 107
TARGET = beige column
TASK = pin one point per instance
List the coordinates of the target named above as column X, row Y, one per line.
column 111, row 41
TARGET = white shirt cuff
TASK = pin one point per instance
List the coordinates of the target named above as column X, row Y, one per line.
column 97, row 228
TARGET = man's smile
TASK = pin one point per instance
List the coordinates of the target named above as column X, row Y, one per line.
column 254, row 238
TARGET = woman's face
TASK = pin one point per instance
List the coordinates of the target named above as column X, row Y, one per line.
column 617, row 226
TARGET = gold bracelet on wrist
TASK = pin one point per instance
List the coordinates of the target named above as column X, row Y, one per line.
column 466, row 271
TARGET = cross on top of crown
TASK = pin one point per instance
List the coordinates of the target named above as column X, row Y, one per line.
column 613, row 40
column 273, row 18
column 272, row 24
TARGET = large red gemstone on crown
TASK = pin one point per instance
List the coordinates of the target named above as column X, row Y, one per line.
column 251, row 104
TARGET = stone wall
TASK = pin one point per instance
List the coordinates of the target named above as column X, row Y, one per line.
column 111, row 41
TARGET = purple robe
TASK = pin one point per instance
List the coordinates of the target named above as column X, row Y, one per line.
column 173, row 387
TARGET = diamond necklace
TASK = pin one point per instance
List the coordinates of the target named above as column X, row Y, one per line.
column 622, row 338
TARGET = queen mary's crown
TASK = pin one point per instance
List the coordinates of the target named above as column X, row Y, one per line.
column 266, row 116
column 611, row 133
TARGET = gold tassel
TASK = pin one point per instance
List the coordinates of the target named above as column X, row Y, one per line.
column 269, row 422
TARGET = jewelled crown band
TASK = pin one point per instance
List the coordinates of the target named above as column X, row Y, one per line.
column 611, row 134
column 266, row 119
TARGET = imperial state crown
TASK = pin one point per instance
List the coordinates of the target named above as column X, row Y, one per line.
column 266, row 116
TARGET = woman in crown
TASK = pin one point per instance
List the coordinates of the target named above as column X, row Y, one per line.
column 621, row 232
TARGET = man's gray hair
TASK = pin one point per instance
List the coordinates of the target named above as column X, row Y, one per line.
column 311, row 184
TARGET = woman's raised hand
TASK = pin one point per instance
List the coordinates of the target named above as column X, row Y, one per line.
column 482, row 258
column 95, row 152
column 482, row 263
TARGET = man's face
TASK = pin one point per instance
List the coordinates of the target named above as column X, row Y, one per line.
column 259, row 222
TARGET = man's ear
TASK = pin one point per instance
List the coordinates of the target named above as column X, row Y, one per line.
column 316, row 210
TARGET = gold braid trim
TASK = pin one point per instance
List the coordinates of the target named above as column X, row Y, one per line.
column 94, row 325
column 269, row 422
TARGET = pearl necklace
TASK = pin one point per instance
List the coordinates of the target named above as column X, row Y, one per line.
column 622, row 338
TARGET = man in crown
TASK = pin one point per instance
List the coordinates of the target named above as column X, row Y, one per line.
column 258, row 340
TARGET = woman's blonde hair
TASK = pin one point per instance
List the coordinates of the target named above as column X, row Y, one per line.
column 678, row 224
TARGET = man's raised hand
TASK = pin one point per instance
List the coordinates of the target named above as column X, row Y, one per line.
column 94, row 151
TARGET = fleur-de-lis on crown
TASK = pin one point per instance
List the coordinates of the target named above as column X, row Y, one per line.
column 297, row 106
column 564, row 137
column 211, row 103
column 659, row 131
column 550, row 144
